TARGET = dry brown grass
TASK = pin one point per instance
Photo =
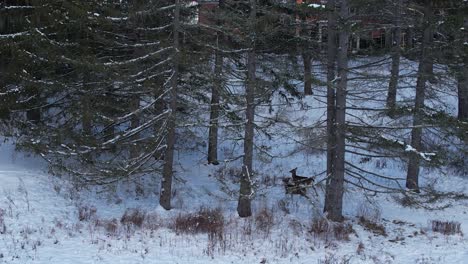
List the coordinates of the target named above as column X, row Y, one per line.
column 86, row 213
column 133, row 217
column 328, row 231
column 372, row 226
column 264, row 220
column 209, row 221
column 446, row 227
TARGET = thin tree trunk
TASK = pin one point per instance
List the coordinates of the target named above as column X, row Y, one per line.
column 159, row 108
column 463, row 93
column 214, row 110
column 409, row 40
column 134, row 123
column 166, row 184
column 463, row 74
column 86, row 116
column 331, row 58
column 4, row 100
column 412, row 177
column 335, row 188
column 244, row 208
column 388, row 39
column 396, row 54
column 307, row 58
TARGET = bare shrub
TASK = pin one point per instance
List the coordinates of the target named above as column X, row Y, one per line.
column 229, row 174
column 369, row 217
column 406, row 201
column 284, row 205
column 360, row 248
column 152, row 221
column 133, row 217
column 296, row 227
column 381, row 164
column 2, row 222
column 372, row 226
column 264, row 220
column 332, row 259
column 268, row 180
column 111, row 226
column 139, row 190
column 209, row 221
column 327, row 230
column 247, row 227
column 446, row 227
column 86, row 213
column 369, row 212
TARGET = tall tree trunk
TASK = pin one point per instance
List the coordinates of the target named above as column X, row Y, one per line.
column 388, row 39
column 134, row 123
column 307, row 58
column 4, row 100
column 335, row 188
column 412, row 176
column 396, row 54
column 244, row 208
column 463, row 93
column 462, row 77
column 86, row 116
column 331, row 58
column 409, row 39
column 159, row 108
column 214, row 110
column 166, row 183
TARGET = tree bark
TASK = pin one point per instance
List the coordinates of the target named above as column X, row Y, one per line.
column 86, row 116
column 244, row 208
column 388, row 39
column 214, row 110
column 412, row 176
column 463, row 93
column 307, row 58
column 134, row 123
column 335, row 188
column 166, row 182
column 409, row 40
column 396, row 54
column 331, row 58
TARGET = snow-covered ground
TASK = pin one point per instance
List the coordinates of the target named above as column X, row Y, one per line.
column 41, row 213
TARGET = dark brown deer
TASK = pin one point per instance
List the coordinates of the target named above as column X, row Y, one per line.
column 293, row 188
column 298, row 184
column 300, row 179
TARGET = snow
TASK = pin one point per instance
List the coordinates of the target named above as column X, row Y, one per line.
column 316, row 6
column 40, row 210
column 14, row 35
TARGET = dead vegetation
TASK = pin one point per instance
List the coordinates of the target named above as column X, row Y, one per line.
column 209, row 221
column 133, row 217
column 329, row 231
column 86, row 213
column 264, row 220
column 372, row 226
column 446, row 227
column 2, row 222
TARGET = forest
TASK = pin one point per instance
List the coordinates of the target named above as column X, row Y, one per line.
column 321, row 127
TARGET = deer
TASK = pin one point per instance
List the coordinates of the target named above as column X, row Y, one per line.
column 300, row 179
column 297, row 184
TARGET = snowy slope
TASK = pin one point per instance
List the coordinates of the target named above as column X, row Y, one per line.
column 41, row 212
